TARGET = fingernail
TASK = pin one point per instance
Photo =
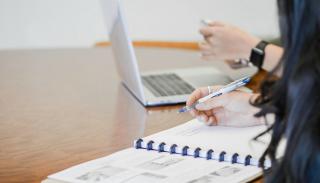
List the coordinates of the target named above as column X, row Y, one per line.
column 203, row 119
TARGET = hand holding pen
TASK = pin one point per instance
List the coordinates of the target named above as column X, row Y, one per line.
column 225, row 89
column 230, row 108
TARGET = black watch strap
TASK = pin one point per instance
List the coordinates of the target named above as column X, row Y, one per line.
column 258, row 53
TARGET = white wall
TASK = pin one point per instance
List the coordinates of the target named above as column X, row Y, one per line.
column 79, row 23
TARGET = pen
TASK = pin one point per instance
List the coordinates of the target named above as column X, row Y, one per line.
column 205, row 22
column 225, row 89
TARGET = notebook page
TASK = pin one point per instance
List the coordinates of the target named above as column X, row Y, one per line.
column 232, row 140
column 139, row 166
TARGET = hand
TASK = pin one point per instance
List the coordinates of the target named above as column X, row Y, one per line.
column 226, row 42
column 230, row 109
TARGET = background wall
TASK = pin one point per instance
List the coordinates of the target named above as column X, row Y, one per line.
column 79, row 23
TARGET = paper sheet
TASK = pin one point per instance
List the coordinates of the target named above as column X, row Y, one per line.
column 139, row 166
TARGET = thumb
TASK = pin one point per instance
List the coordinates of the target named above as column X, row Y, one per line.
column 214, row 102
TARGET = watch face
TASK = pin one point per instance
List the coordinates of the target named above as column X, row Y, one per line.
column 258, row 51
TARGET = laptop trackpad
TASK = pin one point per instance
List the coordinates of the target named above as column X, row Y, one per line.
column 208, row 80
column 199, row 77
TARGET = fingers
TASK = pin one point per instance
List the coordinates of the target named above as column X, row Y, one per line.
column 210, row 45
column 206, row 31
column 212, row 121
column 204, row 46
column 219, row 114
column 208, row 113
column 203, row 117
column 210, row 117
column 193, row 97
column 210, row 104
column 214, row 102
column 197, row 94
column 216, row 87
column 216, row 23
column 206, row 50
column 206, row 116
column 209, row 30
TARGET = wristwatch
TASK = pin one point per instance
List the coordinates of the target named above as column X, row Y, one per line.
column 258, row 53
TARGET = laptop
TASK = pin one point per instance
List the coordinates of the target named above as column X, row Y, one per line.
column 153, row 88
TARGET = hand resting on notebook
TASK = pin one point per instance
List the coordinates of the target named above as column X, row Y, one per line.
column 230, row 109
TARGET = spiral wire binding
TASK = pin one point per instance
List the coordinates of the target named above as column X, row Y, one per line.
column 173, row 148
column 185, row 151
column 149, row 145
column 234, row 158
column 209, row 154
column 161, row 147
column 138, row 144
column 196, row 153
column 247, row 160
column 221, row 156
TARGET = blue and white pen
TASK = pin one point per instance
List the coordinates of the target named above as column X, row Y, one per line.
column 225, row 89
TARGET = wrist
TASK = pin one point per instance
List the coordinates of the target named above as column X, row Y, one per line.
column 248, row 46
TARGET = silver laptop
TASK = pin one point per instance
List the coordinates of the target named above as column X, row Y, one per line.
column 158, row 87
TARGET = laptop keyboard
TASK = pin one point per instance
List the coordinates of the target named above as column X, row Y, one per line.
column 170, row 84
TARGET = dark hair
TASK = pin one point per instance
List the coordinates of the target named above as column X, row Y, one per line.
column 295, row 98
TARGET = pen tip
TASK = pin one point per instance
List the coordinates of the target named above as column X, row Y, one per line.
column 182, row 110
column 246, row 80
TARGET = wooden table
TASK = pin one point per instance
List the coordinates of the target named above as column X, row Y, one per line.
column 62, row 107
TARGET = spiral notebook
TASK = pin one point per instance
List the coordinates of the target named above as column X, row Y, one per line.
column 190, row 153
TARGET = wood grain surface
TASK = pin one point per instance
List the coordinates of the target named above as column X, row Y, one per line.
column 62, row 107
